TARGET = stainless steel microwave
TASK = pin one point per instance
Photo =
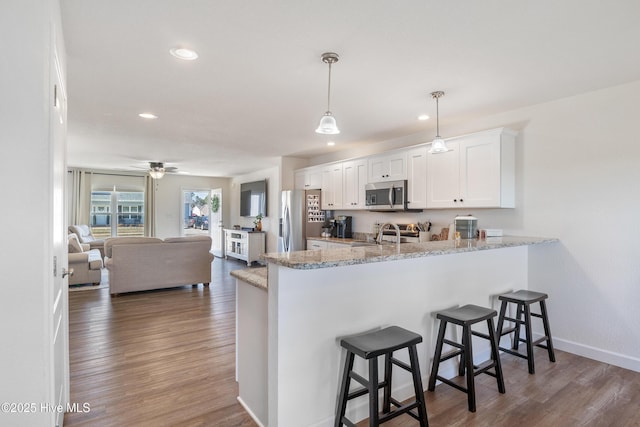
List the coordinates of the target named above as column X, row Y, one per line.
column 386, row 196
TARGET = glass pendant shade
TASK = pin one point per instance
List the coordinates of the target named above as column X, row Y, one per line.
column 438, row 146
column 328, row 125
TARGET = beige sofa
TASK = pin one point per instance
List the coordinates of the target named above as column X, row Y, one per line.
column 144, row 263
column 85, row 262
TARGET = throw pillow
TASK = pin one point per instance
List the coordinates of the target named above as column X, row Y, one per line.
column 74, row 244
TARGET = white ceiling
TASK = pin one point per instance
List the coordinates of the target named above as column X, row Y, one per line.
column 259, row 87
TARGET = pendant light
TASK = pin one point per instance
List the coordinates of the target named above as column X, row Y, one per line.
column 328, row 125
column 156, row 170
column 438, row 145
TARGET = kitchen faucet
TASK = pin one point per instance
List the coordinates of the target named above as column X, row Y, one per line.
column 381, row 232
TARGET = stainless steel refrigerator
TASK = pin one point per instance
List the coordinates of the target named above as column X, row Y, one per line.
column 300, row 216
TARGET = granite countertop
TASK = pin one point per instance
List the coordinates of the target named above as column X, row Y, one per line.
column 307, row 260
column 342, row 240
column 256, row 276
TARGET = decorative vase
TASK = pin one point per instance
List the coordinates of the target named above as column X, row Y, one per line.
column 259, row 226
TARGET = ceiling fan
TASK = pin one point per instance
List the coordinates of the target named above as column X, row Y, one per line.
column 158, row 169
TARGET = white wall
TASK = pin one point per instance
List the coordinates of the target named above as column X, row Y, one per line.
column 270, row 222
column 169, row 200
column 577, row 173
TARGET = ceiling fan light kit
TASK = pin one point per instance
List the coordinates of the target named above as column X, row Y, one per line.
column 328, row 125
column 438, row 145
column 156, row 170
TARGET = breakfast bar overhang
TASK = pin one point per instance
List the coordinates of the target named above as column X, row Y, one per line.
column 316, row 297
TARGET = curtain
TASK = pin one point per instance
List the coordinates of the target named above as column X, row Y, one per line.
column 150, row 187
column 80, row 197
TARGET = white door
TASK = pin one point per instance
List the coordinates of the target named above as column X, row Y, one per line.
column 59, row 297
column 217, row 233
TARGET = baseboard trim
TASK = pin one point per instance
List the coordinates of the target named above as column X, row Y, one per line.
column 250, row 412
column 612, row 358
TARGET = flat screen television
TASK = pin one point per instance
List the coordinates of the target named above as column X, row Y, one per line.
column 253, row 198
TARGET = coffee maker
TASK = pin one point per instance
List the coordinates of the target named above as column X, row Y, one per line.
column 343, row 227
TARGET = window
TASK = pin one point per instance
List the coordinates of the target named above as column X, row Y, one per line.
column 129, row 209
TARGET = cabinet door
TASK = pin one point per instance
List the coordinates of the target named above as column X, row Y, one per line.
column 333, row 245
column 314, row 179
column 417, row 178
column 308, row 179
column 332, row 187
column 480, row 172
column 397, row 167
column 314, row 245
column 354, row 176
column 388, row 168
column 443, row 178
column 300, row 180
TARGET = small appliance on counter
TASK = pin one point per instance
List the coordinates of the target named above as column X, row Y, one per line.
column 343, row 227
column 327, row 228
column 467, row 226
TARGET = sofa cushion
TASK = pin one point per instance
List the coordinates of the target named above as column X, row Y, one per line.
column 95, row 260
column 187, row 239
column 110, row 242
column 83, row 232
column 74, row 244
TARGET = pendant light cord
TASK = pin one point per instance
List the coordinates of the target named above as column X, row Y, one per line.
column 329, row 90
column 437, row 119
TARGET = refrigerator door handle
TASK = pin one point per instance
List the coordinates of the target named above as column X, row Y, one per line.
column 286, row 229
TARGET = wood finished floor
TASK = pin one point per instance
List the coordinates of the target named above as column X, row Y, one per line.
column 166, row 358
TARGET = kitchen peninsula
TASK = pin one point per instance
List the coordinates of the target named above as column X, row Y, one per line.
column 315, row 297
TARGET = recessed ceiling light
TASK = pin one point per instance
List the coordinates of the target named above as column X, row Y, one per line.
column 423, row 117
column 331, row 143
column 183, row 53
column 148, row 116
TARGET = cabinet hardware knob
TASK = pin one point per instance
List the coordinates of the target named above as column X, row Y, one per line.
column 455, row 200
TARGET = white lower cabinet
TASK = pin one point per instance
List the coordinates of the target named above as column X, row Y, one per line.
column 244, row 245
column 314, row 245
column 477, row 171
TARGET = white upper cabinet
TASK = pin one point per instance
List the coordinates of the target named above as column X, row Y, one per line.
column 417, row 177
column 354, row 176
column 477, row 171
column 388, row 167
column 331, row 187
column 308, row 179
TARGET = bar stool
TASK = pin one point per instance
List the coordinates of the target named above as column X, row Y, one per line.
column 369, row 346
column 524, row 299
column 466, row 316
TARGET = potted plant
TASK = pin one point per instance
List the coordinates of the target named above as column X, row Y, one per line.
column 258, row 222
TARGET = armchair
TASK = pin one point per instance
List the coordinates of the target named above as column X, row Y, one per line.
column 85, row 262
column 85, row 236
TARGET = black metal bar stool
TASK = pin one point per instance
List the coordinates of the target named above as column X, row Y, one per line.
column 524, row 299
column 369, row 346
column 466, row 316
